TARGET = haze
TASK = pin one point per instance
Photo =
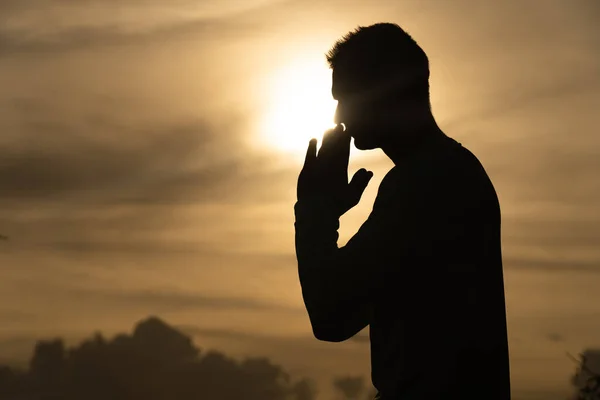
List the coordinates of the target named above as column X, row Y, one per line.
column 136, row 177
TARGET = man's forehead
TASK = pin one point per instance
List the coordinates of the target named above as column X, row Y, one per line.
column 345, row 83
column 364, row 83
column 351, row 85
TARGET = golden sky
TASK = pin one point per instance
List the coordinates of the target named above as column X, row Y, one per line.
column 149, row 152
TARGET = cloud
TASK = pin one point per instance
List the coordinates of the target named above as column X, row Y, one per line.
column 164, row 301
column 502, row 105
column 86, row 37
column 555, row 337
column 300, row 352
column 16, row 350
column 103, row 159
column 362, row 337
column 50, row 27
column 154, row 353
column 231, row 334
column 299, row 341
column 549, row 265
column 76, row 164
column 351, row 387
column 109, row 180
column 146, row 247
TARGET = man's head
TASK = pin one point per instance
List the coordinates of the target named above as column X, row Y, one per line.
column 380, row 80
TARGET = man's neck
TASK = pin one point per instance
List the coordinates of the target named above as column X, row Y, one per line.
column 406, row 143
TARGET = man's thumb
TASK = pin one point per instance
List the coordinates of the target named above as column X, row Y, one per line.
column 359, row 183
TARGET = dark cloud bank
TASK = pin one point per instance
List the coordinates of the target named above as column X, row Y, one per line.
column 156, row 361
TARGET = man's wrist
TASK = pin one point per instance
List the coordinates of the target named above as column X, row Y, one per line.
column 316, row 211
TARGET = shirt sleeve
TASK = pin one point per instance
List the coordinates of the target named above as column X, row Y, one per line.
column 335, row 279
column 418, row 212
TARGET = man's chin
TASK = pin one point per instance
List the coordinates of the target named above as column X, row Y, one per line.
column 361, row 144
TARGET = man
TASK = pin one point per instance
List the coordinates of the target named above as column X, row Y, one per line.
column 425, row 270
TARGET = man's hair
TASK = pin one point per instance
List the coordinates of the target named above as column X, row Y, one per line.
column 383, row 53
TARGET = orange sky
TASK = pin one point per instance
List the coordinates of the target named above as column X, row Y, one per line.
column 135, row 179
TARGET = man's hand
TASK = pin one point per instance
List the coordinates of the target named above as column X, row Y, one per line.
column 324, row 177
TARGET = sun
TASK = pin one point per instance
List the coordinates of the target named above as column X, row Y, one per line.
column 300, row 106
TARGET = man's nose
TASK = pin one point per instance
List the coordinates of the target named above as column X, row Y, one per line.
column 337, row 116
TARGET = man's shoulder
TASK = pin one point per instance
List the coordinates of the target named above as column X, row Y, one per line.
column 446, row 160
column 452, row 162
column 447, row 170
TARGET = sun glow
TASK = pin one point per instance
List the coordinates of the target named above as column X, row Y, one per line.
column 300, row 106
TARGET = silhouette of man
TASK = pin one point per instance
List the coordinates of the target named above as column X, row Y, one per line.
column 425, row 269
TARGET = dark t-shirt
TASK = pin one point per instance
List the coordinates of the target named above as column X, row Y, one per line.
column 427, row 264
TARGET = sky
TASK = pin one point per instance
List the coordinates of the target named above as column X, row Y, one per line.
column 149, row 153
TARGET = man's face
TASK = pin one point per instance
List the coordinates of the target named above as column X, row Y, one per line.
column 358, row 111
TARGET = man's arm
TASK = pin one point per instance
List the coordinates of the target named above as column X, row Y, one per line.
column 337, row 283
column 413, row 211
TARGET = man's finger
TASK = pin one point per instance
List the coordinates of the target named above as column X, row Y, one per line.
column 328, row 137
column 334, row 153
column 334, row 138
column 358, row 184
column 311, row 153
